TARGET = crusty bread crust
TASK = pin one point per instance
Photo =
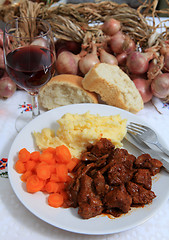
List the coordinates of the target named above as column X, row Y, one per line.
column 65, row 89
column 114, row 87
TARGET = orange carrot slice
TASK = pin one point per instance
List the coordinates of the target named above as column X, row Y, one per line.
column 25, row 175
column 72, row 163
column 55, row 200
column 43, row 170
column 47, row 157
column 34, row 184
column 62, row 154
column 61, row 173
column 30, row 165
column 24, row 155
column 35, row 156
column 20, row 167
column 51, row 187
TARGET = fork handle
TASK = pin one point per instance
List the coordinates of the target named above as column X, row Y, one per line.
column 164, row 150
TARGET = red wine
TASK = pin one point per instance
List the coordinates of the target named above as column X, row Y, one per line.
column 30, row 67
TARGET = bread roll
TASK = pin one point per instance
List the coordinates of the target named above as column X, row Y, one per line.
column 65, row 89
column 114, row 87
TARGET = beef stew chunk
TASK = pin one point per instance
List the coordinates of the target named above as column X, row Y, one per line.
column 118, row 197
column 90, row 204
column 145, row 161
column 111, row 181
column 139, row 194
column 119, row 174
column 102, row 147
column 143, row 177
column 100, row 184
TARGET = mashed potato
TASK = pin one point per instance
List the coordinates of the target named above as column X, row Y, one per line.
column 76, row 131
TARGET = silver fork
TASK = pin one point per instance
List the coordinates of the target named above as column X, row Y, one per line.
column 146, row 134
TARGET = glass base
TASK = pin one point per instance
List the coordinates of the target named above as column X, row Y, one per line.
column 22, row 120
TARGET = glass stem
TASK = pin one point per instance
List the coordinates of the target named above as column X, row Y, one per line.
column 35, row 105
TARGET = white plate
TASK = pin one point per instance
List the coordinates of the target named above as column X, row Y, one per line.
column 68, row 219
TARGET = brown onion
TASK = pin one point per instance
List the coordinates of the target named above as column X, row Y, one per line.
column 106, row 57
column 164, row 48
column 144, row 88
column 129, row 45
column 111, row 26
column 166, row 61
column 121, row 58
column 7, row 87
column 2, row 63
column 67, row 63
column 138, row 62
column 88, row 61
column 160, row 85
column 1, row 38
column 116, row 42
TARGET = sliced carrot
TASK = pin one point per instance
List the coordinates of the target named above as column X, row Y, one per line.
column 25, row 175
column 53, row 177
column 30, row 165
column 47, row 157
column 61, row 173
column 52, row 168
column 20, row 166
column 55, row 200
column 51, row 187
column 50, row 149
column 43, row 171
column 24, row 155
column 62, row 154
column 47, row 172
column 34, row 184
column 72, row 163
column 35, row 156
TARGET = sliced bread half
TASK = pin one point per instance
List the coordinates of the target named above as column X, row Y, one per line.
column 114, row 87
column 65, row 89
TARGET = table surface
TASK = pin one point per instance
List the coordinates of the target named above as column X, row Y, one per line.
column 18, row 223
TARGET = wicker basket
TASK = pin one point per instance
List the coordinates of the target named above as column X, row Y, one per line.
column 79, row 22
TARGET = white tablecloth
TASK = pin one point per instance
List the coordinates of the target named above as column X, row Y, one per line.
column 17, row 223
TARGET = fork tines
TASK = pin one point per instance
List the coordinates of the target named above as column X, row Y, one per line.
column 136, row 128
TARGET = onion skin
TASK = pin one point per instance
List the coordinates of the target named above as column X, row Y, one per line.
column 106, row 57
column 160, row 85
column 116, row 42
column 111, row 26
column 129, row 45
column 138, row 63
column 144, row 88
column 2, row 62
column 166, row 61
column 88, row 61
column 67, row 63
column 122, row 58
column 7, row 87
column 1, row 38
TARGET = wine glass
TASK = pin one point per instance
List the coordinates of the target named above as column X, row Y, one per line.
column 29, row 54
